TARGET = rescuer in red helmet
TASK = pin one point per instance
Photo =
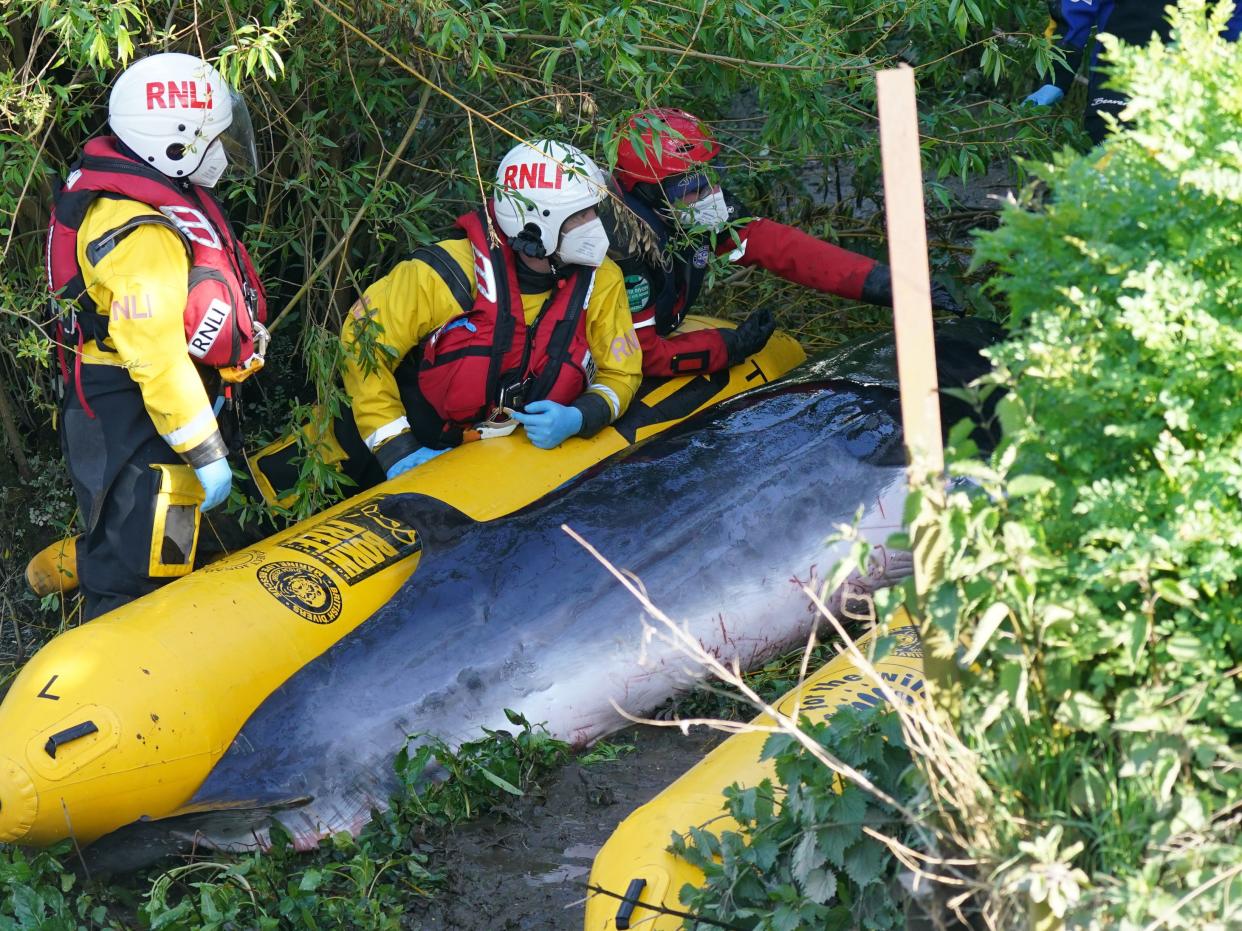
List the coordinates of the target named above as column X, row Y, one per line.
column 159, row 313
column 664, row 181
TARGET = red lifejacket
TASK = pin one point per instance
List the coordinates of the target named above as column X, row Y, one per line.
column 468, row 362
column 226, row 306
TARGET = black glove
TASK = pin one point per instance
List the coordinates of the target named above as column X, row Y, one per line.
column 878, row 289
column 878, row 286
column 751, row 336
column 737, row 209
column 943, row 300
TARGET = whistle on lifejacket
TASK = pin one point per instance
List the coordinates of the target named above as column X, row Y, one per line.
column 236, row 374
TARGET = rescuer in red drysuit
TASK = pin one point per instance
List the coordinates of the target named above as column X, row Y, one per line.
column 666, row 185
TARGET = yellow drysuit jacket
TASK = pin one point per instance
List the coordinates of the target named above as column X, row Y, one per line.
column 413, row 300
column 140, row 285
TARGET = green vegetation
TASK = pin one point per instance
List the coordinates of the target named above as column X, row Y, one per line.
column 1093, row 585
column 1087, row 615
column 363, row 882
column 801, row 858
column 1096, row 582
column 379, row 122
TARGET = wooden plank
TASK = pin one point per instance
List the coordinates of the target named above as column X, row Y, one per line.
column 907, row 256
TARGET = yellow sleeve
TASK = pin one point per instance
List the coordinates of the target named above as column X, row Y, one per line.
column 141, row 284
column 614, row 345
column 393, row 316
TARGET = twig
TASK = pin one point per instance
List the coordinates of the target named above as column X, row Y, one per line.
column 683, row 52
column 665, row 910
column 74, row 837
column 1176, row 907
column 361, row 212
column 12, row 436
column 692, row 647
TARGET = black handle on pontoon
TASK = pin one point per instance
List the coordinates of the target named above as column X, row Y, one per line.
column 56, row 741
column 629, row 903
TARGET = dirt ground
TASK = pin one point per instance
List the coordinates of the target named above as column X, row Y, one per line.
column 528, row 870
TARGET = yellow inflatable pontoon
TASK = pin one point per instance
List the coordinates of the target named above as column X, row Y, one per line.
column 122, row 719
column 641, row 879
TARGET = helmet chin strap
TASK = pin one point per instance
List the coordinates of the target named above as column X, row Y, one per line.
column 529, row 243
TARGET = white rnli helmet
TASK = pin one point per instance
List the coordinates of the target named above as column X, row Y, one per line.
column 179, row 116
column 539, row 185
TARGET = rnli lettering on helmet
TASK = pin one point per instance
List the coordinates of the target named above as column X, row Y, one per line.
column 484, row 276
column 196, row 227
column 209, row 328
column 164, row 95
column 519, row 177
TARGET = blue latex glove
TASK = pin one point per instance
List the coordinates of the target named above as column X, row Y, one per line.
column 216, row 478
column 549, row 424
column 1046, row 96
column 416, row 458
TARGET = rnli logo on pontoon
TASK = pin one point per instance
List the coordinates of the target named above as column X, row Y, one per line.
column 242, row 559
column 356, row 543
column 908, row 644
column 306, row 591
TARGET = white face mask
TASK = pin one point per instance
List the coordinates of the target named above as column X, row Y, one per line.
column 211, row 167
column 584, row 245
column 711, row 212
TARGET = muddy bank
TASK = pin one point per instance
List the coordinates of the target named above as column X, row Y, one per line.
column 528, row 870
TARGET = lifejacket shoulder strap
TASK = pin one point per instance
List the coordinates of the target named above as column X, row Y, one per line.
column 563, row 336
column 444, row 265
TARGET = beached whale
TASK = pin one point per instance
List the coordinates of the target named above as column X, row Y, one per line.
column 723, row 518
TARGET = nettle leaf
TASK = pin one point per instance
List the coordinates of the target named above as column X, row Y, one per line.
column 764, row 852
column 851, row 806
column 807, row 856
column 834, row 840
column 1023, row 486
column 1186, row 647
column 787, row 918
column 865, row 862
column 820, row 886
column 1082, row 711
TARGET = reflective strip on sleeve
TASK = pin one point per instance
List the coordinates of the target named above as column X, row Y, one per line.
column 739, row 253
column 639, row 326
column 611, row 397
column 387, row 432
column 196, row 426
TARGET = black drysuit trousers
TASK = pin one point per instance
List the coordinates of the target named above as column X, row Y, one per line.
column 113, row 452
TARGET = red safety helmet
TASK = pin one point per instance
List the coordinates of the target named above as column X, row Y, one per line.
column 689, row 145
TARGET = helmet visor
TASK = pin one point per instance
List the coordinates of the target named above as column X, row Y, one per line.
column 238, row 139
column 687, row 185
